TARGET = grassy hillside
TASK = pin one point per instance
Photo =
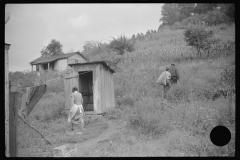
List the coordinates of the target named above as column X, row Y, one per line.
column 138, row 99
column 138, row 96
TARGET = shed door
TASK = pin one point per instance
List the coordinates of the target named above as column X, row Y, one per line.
column 86, row 89
column 69, row 82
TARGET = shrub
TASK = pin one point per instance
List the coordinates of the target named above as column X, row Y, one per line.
column 122, row 45
column 193, row 20
column 215, row 17
column 199, row 38
column 23, row 79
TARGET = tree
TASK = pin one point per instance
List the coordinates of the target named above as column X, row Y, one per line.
column 170, row 12
column 53, row 48
column 215, row 17
column 201, row 8
column 185, row 10
column 199, row 38
column 89, row 45
column 122, row 45
column 229, row 10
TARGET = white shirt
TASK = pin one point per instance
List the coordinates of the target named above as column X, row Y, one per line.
column 168, row 75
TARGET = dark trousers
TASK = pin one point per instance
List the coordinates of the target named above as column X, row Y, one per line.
column 173, row 79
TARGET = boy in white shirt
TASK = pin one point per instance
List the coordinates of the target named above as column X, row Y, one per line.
column 164, row 79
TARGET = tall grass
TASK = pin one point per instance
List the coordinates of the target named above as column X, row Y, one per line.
column 138, row 97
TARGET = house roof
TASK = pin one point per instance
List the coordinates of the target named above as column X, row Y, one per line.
column 54, row 58
column 104, row 63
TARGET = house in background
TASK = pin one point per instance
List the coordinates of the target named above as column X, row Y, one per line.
column 58, row 62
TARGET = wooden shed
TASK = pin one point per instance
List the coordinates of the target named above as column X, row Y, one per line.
column 95, row 82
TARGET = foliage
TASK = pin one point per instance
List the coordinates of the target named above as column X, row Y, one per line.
column 185, row 10
column 199, row 38
column 169, row 14
column 138, row 97
column 92, row 46
column 201, row 8
column 22, row 79
column 229, row 10
column 211, row 14
column 121, row 45
column 193, row 20
column 226, row 86
column 53, row 48
column 54, row 86
column 215, row 17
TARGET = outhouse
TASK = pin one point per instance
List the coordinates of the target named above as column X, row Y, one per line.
column 95, row 82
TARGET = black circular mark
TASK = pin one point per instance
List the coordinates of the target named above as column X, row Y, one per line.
column 220, row 135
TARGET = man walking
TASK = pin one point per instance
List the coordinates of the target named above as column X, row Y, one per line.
column 174, row 74
column 164, row 79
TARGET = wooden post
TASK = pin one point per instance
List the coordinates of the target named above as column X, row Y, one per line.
column 6, row 102
column 14, row 105
column 48, row 66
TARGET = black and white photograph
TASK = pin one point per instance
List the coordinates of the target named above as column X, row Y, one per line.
column 120, row 80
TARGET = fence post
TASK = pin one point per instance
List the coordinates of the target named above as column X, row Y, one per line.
column 14, row 105
column 6, row 101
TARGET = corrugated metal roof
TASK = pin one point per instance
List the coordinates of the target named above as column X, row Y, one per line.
column 53, row 58
column 104, row 63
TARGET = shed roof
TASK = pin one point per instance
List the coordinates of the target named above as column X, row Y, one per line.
column 53, row 58
column 104, row 63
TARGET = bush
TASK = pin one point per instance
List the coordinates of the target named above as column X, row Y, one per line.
column 215, row 17
column 22, row 79
column 121, row 45
column 199, row 38
column 193, row 20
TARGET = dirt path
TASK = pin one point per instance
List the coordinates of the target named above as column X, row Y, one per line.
column 85, row 146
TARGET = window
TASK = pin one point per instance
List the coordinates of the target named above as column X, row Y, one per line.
column 45, row 66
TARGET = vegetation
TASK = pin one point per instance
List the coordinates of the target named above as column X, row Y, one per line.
column 199, row 38
column 53, row 48
column 201, row 100
column 211, row 14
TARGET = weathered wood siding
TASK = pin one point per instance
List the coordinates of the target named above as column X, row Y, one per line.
column 61, row 64
column 103, row 86
column 69, row 82
column 107, row 89
column 93, row 68
column 74, row 58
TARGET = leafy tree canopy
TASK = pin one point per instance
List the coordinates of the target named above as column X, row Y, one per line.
column 121, row 45
column 53, row 48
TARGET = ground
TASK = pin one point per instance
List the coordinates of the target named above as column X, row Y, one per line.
column 118, row 141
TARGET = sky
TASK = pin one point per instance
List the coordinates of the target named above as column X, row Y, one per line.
column 32, row 26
